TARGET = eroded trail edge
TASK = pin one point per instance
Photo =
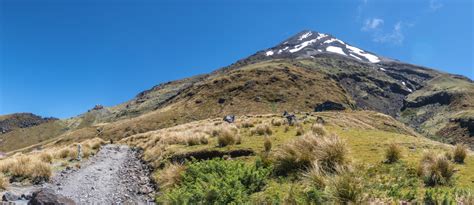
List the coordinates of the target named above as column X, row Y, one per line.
column 114, row 175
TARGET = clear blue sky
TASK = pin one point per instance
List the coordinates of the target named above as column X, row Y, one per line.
column 60, row 58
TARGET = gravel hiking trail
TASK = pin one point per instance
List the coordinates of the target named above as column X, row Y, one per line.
column 115, row 175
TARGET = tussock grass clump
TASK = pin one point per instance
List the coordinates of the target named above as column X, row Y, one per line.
column 193, row 140
column 63, row 153
column 315, row 177
column 328, row 152
column 40, row 171
column 5, row 164
column 226, row 137
column 170, row 176
column 297, row 154
column 267, row 144
column 319, row 130
column 247, row 124
column 459, row 153
column 25, row 167
column 346, row 188
column 20, row 167
column 299, row 130
column 73, row 153
column 278, row 122
column 45, row 157
column 436, row 170
column 203, row 140
column 4, row 182
column 96, row 143
column 393, row 153
column 262, row 129
column 332, row 153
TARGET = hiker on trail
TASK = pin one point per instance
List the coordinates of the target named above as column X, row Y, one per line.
column 291, row 118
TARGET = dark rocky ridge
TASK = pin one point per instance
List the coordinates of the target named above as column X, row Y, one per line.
column 22, row 120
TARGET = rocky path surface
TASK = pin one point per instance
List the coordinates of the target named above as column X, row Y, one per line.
column 115, row 175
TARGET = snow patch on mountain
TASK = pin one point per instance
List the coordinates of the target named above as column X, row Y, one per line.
column 360, row 52
column 269, row 53
column 335, row 49
column 306, row 35
column 354, row 56
column 302, row 45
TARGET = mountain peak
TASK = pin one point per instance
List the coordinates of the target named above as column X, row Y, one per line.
column 309, row 43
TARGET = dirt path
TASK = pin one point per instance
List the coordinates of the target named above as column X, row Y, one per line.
column 114, row 175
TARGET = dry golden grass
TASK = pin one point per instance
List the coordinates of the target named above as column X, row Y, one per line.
column 247, row 124
column 226, row 137
column 20, row 167
column 96, row 143
column 319, row 129
column 263, row 129
column 278, row 122
column 63, row 153
column 332, row 153
column 39, row 171
column 5, row 164
column 4, row 182
column 299, row 129
column 170, row 176
column 328, row 152
column 297, row 154
column 45, row 157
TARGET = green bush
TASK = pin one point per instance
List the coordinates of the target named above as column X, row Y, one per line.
column 217, row 181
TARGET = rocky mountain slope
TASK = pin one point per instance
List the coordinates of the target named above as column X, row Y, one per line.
column 21, row 120
column 307, row 72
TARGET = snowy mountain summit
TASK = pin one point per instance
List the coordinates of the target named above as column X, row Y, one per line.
column 311, row 43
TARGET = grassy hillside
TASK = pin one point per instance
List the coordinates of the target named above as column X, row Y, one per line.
column 440, row 109
column 366, row 136
column 409, row 93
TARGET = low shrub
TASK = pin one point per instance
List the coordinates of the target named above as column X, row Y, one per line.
column 459, row 153
column 319, row 130
column 217, row 181
column 393, row 153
